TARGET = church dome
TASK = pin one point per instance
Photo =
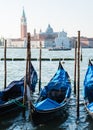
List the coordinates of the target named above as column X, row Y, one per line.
column 49, row 29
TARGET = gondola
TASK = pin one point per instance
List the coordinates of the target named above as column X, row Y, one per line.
column 88, row 89
column 12, row 96
column 53, row 98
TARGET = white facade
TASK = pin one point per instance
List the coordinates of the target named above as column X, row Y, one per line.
column 62, row 40
column 23, row 43
column 16, row 43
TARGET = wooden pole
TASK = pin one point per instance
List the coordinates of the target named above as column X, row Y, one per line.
column 29, row 79
column 40, row 67
column 26, row 75
column 5, row 69
column 29, row 60
column 25, row 83
column 78, row 74
column 75, row 68
column 81, row 54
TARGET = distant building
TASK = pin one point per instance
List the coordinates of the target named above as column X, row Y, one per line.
column 35, row 40
column 90, row 42
column 49, row 37
column 84, row 42
column 55, row 39
column 2, row 41
column 16, row 43
column 23, row 26
column 22, row 41
column 62, row 41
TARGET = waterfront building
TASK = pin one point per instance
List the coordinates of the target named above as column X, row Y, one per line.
column 62, row 41
column 36, row 39
column 90, row 42
column 22, row 41
column 48, row 37
column 84, row 42
column 23, row 26
column 16, row 42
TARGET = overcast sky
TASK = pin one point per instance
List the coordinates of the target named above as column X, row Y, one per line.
column 67, row 15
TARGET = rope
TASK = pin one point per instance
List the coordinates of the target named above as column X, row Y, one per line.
column 17, row 103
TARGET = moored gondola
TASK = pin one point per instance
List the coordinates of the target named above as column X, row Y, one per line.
column 88, row 89
column 12, row 96
column 54, row 98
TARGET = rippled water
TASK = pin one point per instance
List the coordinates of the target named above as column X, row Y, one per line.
column 16, row 70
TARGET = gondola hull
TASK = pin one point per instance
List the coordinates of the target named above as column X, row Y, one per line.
column 41, row 117
column 11, row 106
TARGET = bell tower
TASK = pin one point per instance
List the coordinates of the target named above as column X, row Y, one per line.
column 23, row 26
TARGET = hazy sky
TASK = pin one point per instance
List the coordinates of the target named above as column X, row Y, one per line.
column 70, row 15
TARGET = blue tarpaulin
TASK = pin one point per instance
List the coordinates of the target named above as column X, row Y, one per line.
column 60, row 80
column 88, row 83
column 47, row 104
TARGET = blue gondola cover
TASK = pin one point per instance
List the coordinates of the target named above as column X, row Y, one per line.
column 60, row 80
column 47, row 104
column 88, row 83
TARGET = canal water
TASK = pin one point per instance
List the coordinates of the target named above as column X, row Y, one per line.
column 16, row 70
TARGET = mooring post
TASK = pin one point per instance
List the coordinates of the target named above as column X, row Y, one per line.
column 25, row 83
column 40, row 67
column 81, row 58
column 75, row 67
column 5, row 69
column 29, row 60
column 78, row 74
column 25, row 79
column 27, row 75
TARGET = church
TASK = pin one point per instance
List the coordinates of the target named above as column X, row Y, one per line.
column 62, row 41
column 49, row 38
column 22, row 41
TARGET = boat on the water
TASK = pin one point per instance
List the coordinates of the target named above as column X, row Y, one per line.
column 59, row 49
column 53, row 99
column 88, row 89
column 11, row 97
